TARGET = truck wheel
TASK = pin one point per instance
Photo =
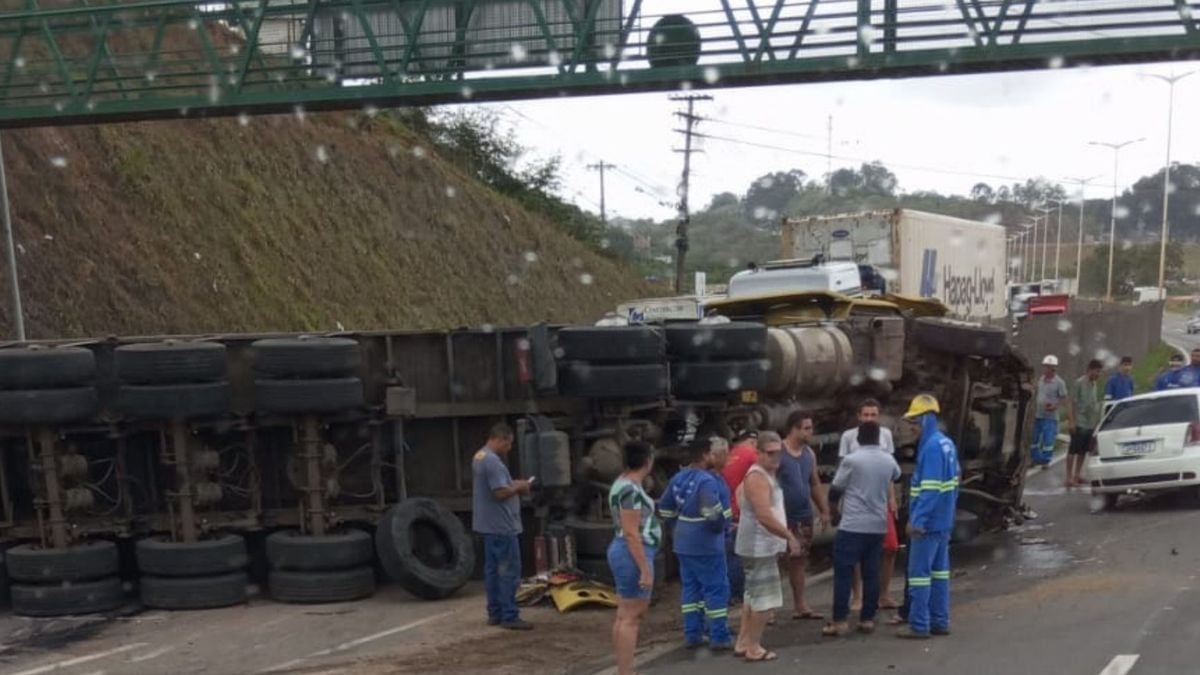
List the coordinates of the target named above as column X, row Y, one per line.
column 718, row 378
column 170, row 401
column 305, row 357
column 75, row 597
column 610, row 344
column 613, row 381
column 292, row 551
column 424, row 547
column 960, row 337
column 48, row 406
column 87, row 560
column 297, row 397
column 591, row 537
column 46, row 368
column 317, row 587
column 161, row 557
column 170, row 362
column 207, row 592
column 717, row 342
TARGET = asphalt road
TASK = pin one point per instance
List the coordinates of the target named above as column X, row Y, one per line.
column 1070, row 593
column 1174, row 333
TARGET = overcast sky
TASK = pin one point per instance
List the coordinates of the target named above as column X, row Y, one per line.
column 940, row 133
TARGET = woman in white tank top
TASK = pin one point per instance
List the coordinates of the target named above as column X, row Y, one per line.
column 753, row 540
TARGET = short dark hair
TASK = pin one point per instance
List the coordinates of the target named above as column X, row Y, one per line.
column 1095, row 364
column 1127, row 360
column 796, row 418
column 501, row 432
column 637, row 455
column 869, row 403
column 1176, row 358
column 698, row 448
column 868, row 433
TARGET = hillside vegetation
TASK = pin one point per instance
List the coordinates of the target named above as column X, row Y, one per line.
column 280, row 223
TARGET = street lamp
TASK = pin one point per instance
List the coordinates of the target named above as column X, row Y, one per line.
column 1045, row 237
column 1112, row 230
column 1058, row 243
column 1162, row 255
column 1079, row 249
column 1033, row 272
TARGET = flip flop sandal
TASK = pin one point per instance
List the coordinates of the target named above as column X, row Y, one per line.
column 890, row 605
column 808, row 616
column 866, row 627
column 830, row 630
column 766, row 656
column 896, row 621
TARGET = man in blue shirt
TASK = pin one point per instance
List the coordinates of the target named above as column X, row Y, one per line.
column 1190, row 376
column 1170, row 379
column 496, row 517
column 1120, row 384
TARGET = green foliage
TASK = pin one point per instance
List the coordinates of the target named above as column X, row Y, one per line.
column 1147, row 368
column 1133, row 266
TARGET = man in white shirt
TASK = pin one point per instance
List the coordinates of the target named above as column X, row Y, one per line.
column 868, row 411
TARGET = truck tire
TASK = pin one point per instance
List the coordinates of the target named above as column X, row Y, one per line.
column 718, row 378
column 717, row 342
column 611, row 344
column 317, row 587
column 48, row 406
column 424, row 547
column 170, row 362
column 591, row 537
column 289, row 550
column 161, row 557
column 78, row 597
column 305, row 357
column 46, row 368
column 613, row 381
column 960, row 338
column 87, row 560
column 208, row 592
column 300, row 397
column 173, row 401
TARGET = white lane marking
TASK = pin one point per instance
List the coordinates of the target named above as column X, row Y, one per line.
column 1120, row 665
column 358, row 642
column 151, row 654
column 82, row 659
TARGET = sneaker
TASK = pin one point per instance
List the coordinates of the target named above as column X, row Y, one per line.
column 940, row 631
column 910, row 634
column 516, row 624
column 720, row 646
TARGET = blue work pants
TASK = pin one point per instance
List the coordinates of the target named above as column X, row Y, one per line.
column 705, row 598
column 929, row 582
column 501, row 575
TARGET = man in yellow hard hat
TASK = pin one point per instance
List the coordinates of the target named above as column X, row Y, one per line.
column 933, row 498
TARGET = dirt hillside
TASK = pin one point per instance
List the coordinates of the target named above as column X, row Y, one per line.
column 279, row 223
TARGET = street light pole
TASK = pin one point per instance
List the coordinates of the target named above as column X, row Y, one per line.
column 1112, row 229
column 1162, row 255
column 1045, row 238
column 1079, row 247
column 1058, row 243
column 1033, row 250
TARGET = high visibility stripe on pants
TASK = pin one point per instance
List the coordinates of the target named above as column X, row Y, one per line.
column 705, row 582
column 929, row 582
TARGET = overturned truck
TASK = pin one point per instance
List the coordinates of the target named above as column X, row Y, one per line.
column 190, row 465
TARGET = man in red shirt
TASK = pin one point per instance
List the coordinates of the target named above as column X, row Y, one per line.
column 742, row 456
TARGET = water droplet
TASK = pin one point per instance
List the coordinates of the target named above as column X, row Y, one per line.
column 734, row 383
column 518, row 52
column 451, row 192
column 1073, row 349
column 712, row 75
column 512, row 280
column 48, row 237
column 244, row 119
column 196, row 255
column 58, row 162
column 467, row 92
column 530, row 257
column 419, row 152
column 193, row 24
column 610, row 51
column 370, row 110
column 1056, row 62
column 559, row 353
column 1122, row 211
column 299, row 53
column 299, row 112
column 19, row 62
column 856, row 379
column 487, row 328
column 1064, row 325
column 877, row 374
column 866, row 34
column 585, row 279
column 151, row 75
column 322, row 154
column 554, row 58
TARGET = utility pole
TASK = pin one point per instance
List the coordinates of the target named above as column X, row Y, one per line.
column 681, row 231
column 601, row 166
column 829, row 155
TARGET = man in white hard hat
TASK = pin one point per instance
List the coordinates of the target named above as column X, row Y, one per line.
column 1051, row 395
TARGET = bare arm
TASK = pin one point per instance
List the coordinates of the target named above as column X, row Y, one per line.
column 819, row 497
column 516, row 487
column 758, row 491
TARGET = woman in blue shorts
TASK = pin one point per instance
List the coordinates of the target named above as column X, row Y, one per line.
column 638, row 535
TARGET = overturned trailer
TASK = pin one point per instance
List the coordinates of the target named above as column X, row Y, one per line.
column 190, row 464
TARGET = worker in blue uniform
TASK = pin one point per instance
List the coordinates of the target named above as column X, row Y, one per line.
column 933, row 497
column 1170, row 379
column 695, row 501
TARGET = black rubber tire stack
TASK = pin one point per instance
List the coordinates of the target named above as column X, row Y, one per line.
column 199, row 575
column 332, row 568
column 306, row 376
column 172, row 380
column 424, row 547
column 79, row 579
column 721, row 359
column 611, row 362
column 47, row 386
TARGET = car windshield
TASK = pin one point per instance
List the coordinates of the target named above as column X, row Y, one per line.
column 1152, row 411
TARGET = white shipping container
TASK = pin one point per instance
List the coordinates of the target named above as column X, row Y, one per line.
column 960, row 262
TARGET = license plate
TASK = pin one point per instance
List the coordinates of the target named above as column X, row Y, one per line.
column 1137, row 448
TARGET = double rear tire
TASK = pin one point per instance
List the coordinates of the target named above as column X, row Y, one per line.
column 332, row 568
column 79, row 579
column 204, row 574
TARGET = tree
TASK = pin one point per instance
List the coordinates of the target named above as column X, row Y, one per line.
column 1133, row 266
column 870, row 180
column 768, row 195
column 982, row 192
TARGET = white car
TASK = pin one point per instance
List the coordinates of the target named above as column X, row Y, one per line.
column 1193, row 325
column 1149, row 442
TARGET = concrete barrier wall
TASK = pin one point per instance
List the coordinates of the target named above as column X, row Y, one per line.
column 1091, row 329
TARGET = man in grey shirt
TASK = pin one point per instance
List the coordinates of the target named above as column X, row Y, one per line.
column 864, row 481
column 496, row 517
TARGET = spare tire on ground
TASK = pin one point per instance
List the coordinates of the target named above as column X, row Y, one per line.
column 46, row 368
column 207, row 592
column 170, row 362
column 48, row 406
column 960, row 337
column 613, row 381
column 159, row 556
column 718, row 378
column 290, row 550
column 610, row 344
column 305, row 357
column 738, row 340
column 87, row 560
column 425, row 548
